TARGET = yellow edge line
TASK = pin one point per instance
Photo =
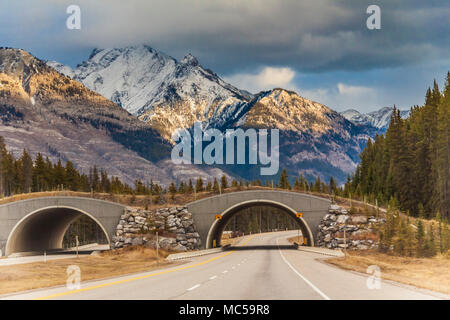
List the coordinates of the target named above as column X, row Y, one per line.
column 138, row 278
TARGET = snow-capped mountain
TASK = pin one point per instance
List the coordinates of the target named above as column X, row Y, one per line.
column 46, row 112
column 166, row 93
column 314, row 139
column 379, row 119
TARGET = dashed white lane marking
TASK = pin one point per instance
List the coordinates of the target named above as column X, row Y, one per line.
column 225, row 271
column 239, row 264
column 301, row 276
column 194, row 287
column 213, row 277
column 233, row 267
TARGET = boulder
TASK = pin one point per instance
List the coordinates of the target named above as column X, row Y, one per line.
column 359, row 219
column 137, row 241
column 342, row 219
column 186, row 223
column 140, row 220
column 334, row 207
column 180, row 247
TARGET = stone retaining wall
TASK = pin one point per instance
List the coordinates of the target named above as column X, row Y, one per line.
column 360, row 230
column 138, row 226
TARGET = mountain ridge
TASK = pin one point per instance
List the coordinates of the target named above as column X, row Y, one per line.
column 195, row 94
column 379, row 118
column 43, row 111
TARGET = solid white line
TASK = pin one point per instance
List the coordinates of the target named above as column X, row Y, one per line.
column 194, row 287
column 304, row 279
column 213, row 277
column 225, row 271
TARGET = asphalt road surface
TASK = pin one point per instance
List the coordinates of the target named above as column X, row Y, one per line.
column 261, row 267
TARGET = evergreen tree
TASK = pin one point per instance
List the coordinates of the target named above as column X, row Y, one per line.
column 224, row 182
column 411, row 162
column 59, row 174
column 199, row 185
column 317, row 185
column 182, row 187
column 420, row 237
column 190, row 187
column 332, row 185
column 72, row 177
column 172, row 190
column 430, row 246
column 284, row 182
column 442, row 162
column 27, row 171
column 215, row 186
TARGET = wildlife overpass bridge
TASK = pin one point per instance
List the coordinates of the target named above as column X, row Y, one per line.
column 39, row 224
column 227, row 205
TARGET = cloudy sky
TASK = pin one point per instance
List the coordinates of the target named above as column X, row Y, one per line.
column 320, row 48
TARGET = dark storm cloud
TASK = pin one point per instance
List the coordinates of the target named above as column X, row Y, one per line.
column 236, row 35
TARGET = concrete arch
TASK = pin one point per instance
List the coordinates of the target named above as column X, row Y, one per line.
column 40, row 223
column 204, row 211
column 218, row 225
column 54, row 219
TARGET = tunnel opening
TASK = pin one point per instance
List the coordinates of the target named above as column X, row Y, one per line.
column 257, row 217
column 53, row 230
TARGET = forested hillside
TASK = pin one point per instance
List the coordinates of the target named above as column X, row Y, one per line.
column 24, row 175
column 409, row 166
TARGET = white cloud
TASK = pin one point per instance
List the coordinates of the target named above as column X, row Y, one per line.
column 349, row 90
column 345, row 96
column 268, row 78
column 340, row 96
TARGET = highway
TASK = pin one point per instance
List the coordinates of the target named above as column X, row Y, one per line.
column 261, row 267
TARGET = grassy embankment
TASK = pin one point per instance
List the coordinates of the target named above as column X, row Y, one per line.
column 109, row 264
column 428, row 273
column 140, row 200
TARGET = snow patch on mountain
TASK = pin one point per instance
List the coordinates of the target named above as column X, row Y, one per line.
column 379, row 119
column 166, row 93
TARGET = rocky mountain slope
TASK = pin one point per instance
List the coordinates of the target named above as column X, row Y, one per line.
column 313, row 138
column 379, row 119
column 168, row 94
column 43, row 111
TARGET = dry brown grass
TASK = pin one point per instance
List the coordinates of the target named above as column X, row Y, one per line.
column 298, row 239
column 53, row 272
column 427, row 273
column 142, row 201
column 227, row 240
